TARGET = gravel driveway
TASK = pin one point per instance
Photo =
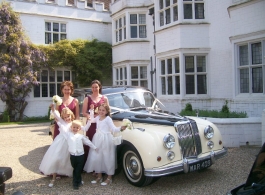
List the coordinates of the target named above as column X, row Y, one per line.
column 23, row 146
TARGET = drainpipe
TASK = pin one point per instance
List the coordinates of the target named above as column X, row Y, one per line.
column 153, row 71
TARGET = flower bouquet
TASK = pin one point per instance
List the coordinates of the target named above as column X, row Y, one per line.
column 52, row 115
column 126, row 122
column 57, row 100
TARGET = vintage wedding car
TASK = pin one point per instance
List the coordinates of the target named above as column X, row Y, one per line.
column 160, row 143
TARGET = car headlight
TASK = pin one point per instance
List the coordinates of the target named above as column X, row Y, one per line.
column 170, row 155
column 210, row 144
column 169, row 141
column 208, row 132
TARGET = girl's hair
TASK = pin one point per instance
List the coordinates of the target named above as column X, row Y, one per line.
column 68, row 84
column 77, row 122
column 67, row 111
column 98, row 83
column 106, row 106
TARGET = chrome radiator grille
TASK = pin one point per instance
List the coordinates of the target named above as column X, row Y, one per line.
column 189, row 138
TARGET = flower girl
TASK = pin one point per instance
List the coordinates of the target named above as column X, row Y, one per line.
column 57, row 158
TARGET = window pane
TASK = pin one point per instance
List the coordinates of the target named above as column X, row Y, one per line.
column 133, row 19
column 161, row 4
column 52, row 90
column 59, row 76
column 37, row 91
column 163, row 85
column 175, row 1
column 257, row 80
column 167, row 16
column 190, row 89
column 44, row 90
column 167, row 3
column 163, row 67
column 48, row 38
column 117, row 36
column 63, row 27
column 63, row 36
column 170, row 86
column 125, row 73
column 121, row 76
column 187, row 11
column 44, row 76
column 59, row 89
column 120, row 22
column 52, row 76
column 177, row 85
column 161, row 18
column 175, row 13
column 133, row 31
column 47, row 26
column 134, row 83
column 124, row 20
column 134, row 70
column 117, row 74
column 176, row 65
column 142, row 31
column 116, row 22
column 143, row 72
column 67, row 75
column 120, row 34
column 55, row 38
column 124, row 33
column 144, row 84
column 55, row 27
column 142, row 19
column 169, row 66
column 201, row 84
column 199, row 11
column 244, row 81
column 189, row 63
column 256, row 53
column 201, row 64
column 243, row 55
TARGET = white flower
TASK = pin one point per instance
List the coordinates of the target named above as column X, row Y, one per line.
column 52, row 115
column 96, row 110
column 127, row 123
column 57, row 100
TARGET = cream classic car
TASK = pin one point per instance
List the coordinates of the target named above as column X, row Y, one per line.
column 160, row 143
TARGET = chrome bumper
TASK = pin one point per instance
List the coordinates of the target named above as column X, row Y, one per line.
column 184, row 166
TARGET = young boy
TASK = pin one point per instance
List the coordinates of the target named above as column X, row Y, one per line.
column 76, row 149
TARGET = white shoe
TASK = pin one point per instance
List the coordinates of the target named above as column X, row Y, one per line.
column 106, row 182
column 51, row 184
column 98, row 180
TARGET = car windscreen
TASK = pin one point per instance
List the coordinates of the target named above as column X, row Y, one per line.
column 131, row 100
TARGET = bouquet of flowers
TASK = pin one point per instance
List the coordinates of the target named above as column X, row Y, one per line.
column 126, row 122
column 57, row 100
column 96, row 110
column 52, row 115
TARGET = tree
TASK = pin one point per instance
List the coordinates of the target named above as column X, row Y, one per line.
column 19, row 63
column 90, row 60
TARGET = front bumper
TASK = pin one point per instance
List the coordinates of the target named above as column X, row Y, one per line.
column 184, row 166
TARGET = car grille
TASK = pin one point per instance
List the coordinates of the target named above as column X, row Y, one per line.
column 189, row 138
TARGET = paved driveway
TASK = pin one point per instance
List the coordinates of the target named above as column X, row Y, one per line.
column 23, row 146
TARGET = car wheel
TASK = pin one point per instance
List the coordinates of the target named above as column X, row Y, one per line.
column 133, row 168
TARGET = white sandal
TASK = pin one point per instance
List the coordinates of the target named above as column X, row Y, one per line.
column 106, row 182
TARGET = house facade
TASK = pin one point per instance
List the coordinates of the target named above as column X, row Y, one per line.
column 203, row 52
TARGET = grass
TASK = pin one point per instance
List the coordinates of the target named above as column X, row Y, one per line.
column 28, row 120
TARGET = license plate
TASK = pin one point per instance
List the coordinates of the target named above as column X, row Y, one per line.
column 200, row 165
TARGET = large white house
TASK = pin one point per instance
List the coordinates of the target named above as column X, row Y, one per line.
column 203, row 52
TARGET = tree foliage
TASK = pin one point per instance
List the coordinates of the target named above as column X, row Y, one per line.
column 90, row 60
column 19, row 63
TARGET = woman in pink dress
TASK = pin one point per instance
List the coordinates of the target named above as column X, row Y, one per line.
column 67, row 89
column 96, row 98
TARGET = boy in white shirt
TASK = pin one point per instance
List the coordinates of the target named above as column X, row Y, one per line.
column 76, row 149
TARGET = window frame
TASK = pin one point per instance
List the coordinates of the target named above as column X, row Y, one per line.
column 50, row 30
column 138, row 25
column 46, row 81
column 166, row 73
column 120, row 29
column 166, row 12
column 193, row 4
column 250, row 66
column 121, row 75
